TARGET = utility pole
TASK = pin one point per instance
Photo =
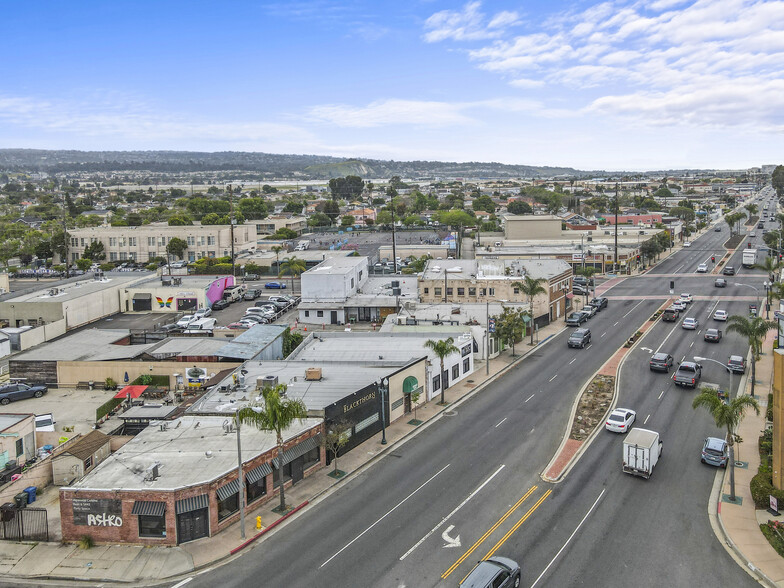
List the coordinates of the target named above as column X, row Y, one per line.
column 615, row 257
column 394, row 248
column 487, row 322
column 231, row 220
column 65, row 239
column 241, row 482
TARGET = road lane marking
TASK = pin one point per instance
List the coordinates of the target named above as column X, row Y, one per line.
column 451, row 514
column 691, row 345
column 531, row 396
column 185, row 581
column 571, row 362
column 554, row 377
column 633, row 307
column 589, row 346
column 389, row 512
column 616, row 324
column 569, row 539
column 502, row 420
column 662, row 394
column 479, row 541
column 679, row 267
column 516, row 526
column 645, row 422
column 603, row 334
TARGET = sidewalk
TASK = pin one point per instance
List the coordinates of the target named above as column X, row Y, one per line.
column 738, row 523
column 133, row 563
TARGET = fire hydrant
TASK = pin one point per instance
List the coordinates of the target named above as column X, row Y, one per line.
column 258, row 523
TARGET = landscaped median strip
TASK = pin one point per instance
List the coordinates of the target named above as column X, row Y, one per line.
column 594, row 401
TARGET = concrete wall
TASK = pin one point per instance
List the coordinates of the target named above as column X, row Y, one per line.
column 415, row 250
column 69, row 373
column 66, row 468
column 419, row 371
column 778, row 418
column 5, row 282
column 319, row 284
column 532, row 227
column 38, row 335
column 23, row 430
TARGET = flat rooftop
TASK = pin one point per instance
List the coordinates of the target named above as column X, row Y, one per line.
column 155, row 281
column 8, row 419
column 180, row 451
column 86, row 345
column 338, row 265
column 65, row 290
column 496, row 269
column 252, row 342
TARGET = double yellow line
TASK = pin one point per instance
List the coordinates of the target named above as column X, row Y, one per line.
column 498, row 523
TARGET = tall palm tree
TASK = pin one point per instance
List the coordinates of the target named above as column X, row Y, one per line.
column 277, row 249
column 754, row 329
column 274, row 414
column 531, row 287
column 293, row 266
column 770, row 265
column 752, row 208
column 442, row 348
column 726, row 416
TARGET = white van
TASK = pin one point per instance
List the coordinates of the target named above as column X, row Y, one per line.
column 205, row 324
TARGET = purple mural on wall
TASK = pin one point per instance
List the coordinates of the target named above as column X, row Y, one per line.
column 215, row 290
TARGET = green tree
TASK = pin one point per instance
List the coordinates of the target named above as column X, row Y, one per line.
column 519, row 207
column 347, row 220
column 754, row 330
column 277, row 250
column 384, row 218
column 292, row 206
column 752, row 208
column 777, row 180
column 442, row 348
column 336, row 436
column 83, row 263
column 682, row 212
column 509, row 326
column 726, row 416
column 332, row 210
column 293, row 266
column 663, row 192
column 177, row 247
column 180, row 221
column 531, row 287
column 95, row 251
column 484, row 203
column 319, row 219
column 275, row 414
column 9, row 248
column 253, row 208
column 348, row 188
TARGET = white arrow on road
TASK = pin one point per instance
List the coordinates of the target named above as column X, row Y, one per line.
column 449, row 541
column 646, row 349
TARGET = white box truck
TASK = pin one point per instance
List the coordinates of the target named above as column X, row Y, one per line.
column 302, row 245
column 749, row 257
column 641, row 452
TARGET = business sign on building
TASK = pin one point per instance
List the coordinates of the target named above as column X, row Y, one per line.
column 97, row 512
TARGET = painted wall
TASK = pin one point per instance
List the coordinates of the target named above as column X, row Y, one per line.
column 69, row 373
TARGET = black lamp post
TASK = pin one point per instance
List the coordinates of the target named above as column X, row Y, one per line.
column 382, row 388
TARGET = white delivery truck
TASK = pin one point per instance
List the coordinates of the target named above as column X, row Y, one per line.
column 302, row 245
column 641, row 452
column 749, row 257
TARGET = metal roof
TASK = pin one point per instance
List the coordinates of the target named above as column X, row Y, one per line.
column 251, row 342
column 86, row 345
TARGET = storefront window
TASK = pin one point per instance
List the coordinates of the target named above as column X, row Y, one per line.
column 257, row 489
column 456, row 371
column 286, row 475
column 311, row 458
column 466, row 365
column 436, row 383
column 228, row 506
column 151, row 526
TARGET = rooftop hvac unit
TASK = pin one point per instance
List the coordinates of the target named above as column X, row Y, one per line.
column 177, row 281
column 151, row 473
column 270, row 381
column 313, row 374
column 396, row 291
column 589, row 239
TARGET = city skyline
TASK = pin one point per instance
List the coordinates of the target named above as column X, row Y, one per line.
column 612, row 85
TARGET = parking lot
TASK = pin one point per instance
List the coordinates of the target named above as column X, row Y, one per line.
column 69, row 407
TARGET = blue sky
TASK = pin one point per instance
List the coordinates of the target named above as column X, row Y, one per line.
column 634, row 85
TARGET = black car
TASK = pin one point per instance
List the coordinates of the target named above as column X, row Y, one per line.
column 220, row 304
column 720, row 283
column 661, row 362
column 729, row 271
column 600, row 302
column 18, row 391
column 495, row 571
column 579, row 338
column 712, row 335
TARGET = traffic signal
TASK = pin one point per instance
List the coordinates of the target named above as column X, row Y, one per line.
column 672, row 284
column 638, row 258
column 713, row 258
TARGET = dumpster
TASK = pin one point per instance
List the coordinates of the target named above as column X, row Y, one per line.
column 30, row 491
column 21, row 500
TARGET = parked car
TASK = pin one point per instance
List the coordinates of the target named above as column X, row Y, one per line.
column 252, row 294
column 729, row 271
column 170, row 328
column 576, row 319
column 186, row 320
column 736, row 364
column 687, row 243
column 661, row 362
column 203, row 313
column 620, row 420
column 18, row 391
column 493, row 571
column 702, row 268
column 240, row 325
column 688, row 374
column 712, row 335
column 579, row 338
column 260, row 311
column 280, row 302
column 578, row 289
column 715, row 452
column 720, row 315
column 590, row 310
column 275, row 286
column 601, row 301
column 720, row 283
column 220, row 304
column 690, row 323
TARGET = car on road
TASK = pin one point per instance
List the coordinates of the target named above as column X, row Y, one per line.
column 576, row 319
column 720, row 315
column 202, row 313
column 712, row 335
column 590, row 310
column 717, row 230
column 753, row 234
column 690, row 323
column 18, row 391
column 579, row 338
column 715, row 452
column 220, row 304
column 702, row 268
column 679, row 305
column 600, row 301
column 250, row 277
column 687, row 298
column 760, row 225
column 671, row 314
column 688, row 374
column 275, row 286
column 493, row 572
column 578, row 289
column 620, row 420
column 661, row 362
column 736, row 364
column 687, row 243
column 729, row 271
column 186, row 320
column 720, row 283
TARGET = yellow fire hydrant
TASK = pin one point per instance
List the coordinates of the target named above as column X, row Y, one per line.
column 258, row 523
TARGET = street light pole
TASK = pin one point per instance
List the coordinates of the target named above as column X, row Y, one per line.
column 382, row 389
column 701, row 359
column 767, row 299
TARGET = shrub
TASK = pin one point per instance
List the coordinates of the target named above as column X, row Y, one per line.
column 762, row 487
column 774, row 533
column 86, row 542
column 106, row 408
column 109, row 384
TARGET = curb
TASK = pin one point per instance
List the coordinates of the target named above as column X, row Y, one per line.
column 583, row 448
column 269, row 528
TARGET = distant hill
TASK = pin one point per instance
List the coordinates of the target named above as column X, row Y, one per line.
column 267, row 165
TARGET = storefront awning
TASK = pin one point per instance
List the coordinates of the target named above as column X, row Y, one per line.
column 258, row 473
column 133, row 391
column 148, row 508
column 142, row 296
column 301, row 449
column 229, row 489
column 191, row 504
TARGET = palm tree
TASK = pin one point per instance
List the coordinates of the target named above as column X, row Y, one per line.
column 726, row 416
column 277, row 249
column 754, row 329
column 770, row 265
column 752, row 208
column 531, row 287
column 293, row 266
column 275, row 414
column 442, row 348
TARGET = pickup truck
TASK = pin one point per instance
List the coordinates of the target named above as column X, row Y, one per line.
column 671, row 315
column 641, row 452
column 688, row 374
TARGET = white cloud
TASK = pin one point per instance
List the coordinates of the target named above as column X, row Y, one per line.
column 526, row 83
column 467, row 25
column 390, row 112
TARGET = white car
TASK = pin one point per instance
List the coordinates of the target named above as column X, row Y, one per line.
column 702, row 268
column 687, row 298
column 203, row 313
column 186, row 320
column 690, row 323
column 720, row 315
column 679, row 305
column 687, row 243
column 620, row 420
